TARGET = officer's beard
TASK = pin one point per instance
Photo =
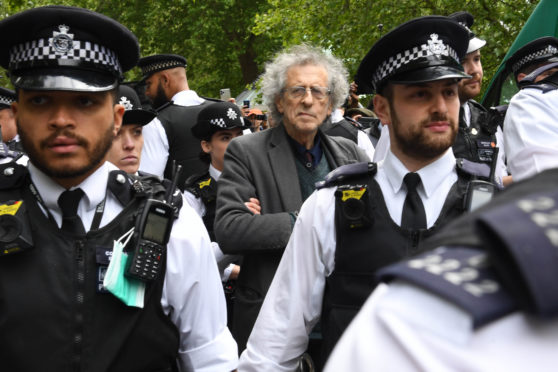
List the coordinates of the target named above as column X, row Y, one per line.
column 160, row 97
column 415, row 141
column 95, row 153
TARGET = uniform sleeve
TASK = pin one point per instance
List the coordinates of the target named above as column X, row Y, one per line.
column 236, row 228
column 293, row 303
column 531, row 133
column 155, row 152
column 194, row 202
column 194, row 300
column 365, row 144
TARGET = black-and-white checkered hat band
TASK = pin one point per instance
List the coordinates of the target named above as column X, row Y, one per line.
column 159, row 66
column 5, row 100
column 435, row 47
column 29, row 52
column 550, row 50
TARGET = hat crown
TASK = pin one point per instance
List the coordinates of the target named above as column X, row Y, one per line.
column 417, row 44
column 76, row 48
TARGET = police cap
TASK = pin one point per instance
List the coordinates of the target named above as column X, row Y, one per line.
column 216, row 117
column 159, row 62
column 7, row 96
column 536, row 51
column 134, row 113
column 466, row 20
column 421, row 50
column 66, row 48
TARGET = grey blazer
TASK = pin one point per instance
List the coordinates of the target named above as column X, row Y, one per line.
column 262, row 165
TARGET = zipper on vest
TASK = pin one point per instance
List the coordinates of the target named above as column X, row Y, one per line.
column 415, row 238
column 78, row 319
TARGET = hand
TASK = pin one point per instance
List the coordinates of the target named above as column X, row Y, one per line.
column 353, row 97
column 234, row 273
column 254, row 206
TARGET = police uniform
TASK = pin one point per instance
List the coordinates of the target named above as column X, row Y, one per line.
column 326, row 270
column 168, row 137
column 51, row 281
column 201, row 189
column 486, row 305
column 337, row 125
column 478, row 133
column 530, row 128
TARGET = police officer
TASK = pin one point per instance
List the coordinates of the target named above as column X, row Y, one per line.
column 366, row 215
column 10, row 145
column 218, row 123
column 73, row 211
column 7, row 120
column 125, row 152
column 168, row 140
column 484, row 300
column 530, row 126
column 479, row 133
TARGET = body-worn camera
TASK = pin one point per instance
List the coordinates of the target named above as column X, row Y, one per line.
column 15, row 234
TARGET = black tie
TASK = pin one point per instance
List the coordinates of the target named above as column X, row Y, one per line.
column 68, row 202
column 413, row 216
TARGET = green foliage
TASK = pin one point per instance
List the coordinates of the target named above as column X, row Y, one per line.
column 227, row 42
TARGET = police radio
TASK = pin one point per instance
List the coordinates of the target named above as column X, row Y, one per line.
column 478, row 193
column 152, row 232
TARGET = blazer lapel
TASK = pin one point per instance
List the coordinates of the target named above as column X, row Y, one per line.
column 283, row 168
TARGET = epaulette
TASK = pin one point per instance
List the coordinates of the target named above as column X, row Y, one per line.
column 470, row 168
column 197, row 182
column 345, row 172
column 12, row 175
column 546, row 85
column 522, row 239
column 163, row 106
column 120, row 184
column 460, row 275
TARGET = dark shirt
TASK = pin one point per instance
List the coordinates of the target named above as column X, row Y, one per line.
column 303, row 155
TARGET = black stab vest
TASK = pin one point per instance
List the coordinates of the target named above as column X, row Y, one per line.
column 52, row 318
column 476, row 142
column 360, row 252
column 184, row 148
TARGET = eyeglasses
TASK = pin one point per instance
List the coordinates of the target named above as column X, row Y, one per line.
column 298, row 92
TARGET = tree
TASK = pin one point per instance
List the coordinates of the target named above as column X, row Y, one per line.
column 227, row 42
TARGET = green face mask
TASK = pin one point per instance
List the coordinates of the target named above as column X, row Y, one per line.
column 130, row 291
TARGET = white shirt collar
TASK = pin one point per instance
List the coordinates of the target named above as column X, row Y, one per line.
column 187, row 98
column 50, row 191
column 431, row 175
column 214, row 173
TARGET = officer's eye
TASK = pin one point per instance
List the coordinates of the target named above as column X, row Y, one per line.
column 86, row 101
column 38, row 100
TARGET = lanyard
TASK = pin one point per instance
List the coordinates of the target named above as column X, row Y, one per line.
column 99, row 210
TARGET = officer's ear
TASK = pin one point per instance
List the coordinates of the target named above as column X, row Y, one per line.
column 382, row 109
column 118, row 115
column 206, row 146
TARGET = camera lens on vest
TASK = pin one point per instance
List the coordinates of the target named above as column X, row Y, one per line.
column 10, row 228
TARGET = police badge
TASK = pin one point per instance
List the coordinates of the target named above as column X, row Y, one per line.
column 62, row 42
